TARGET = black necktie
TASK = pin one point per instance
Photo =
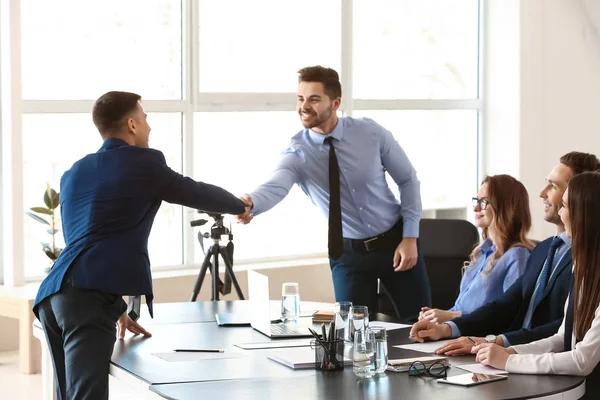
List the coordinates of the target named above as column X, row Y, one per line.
column 335, row 208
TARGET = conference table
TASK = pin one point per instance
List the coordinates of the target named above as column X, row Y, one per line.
column 140, row 363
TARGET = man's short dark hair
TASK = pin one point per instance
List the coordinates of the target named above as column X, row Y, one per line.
column 327, row 76
column 580, row 162
column 111, row 109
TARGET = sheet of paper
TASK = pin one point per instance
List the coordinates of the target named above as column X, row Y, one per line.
column 178, row 356
column 427, row 347
column 389, row 326
column 481, row 369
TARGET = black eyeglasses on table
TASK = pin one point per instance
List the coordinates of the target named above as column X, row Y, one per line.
column 436, row 370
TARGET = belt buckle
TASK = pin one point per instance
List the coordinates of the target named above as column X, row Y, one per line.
column 370, row 244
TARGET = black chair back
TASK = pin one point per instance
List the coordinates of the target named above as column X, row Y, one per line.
column 445, row 244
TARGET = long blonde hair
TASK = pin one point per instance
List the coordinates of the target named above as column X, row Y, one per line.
column 509, row 203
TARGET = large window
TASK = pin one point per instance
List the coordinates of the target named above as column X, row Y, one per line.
column 218, row 80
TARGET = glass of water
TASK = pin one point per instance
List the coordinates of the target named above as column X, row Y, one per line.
column 342, row 309
column 358, row 320
column 290, row 302
column 363, row 355
column 381, row 349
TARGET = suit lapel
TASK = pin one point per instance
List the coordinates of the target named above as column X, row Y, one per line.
column 566, row 260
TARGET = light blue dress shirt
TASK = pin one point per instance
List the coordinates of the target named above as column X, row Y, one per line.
column 477, row 288
column 365, row 151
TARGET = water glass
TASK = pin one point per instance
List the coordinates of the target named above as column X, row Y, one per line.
column 290, row 302
column 363, row 355
column 381, row 349
column 342, row 309
column 358, row 320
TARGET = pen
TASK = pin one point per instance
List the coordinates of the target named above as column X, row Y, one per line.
column 472, row 341
column 199, row 351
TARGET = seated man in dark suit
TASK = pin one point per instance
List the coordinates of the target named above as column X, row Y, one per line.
column 532, row 308
column 108, row 203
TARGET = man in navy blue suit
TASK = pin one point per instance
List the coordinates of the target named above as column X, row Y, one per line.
column 533, row 307
column 108, row 203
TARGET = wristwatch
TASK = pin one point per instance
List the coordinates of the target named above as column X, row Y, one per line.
column 490, row 338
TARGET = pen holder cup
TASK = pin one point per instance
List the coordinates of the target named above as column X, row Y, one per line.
column 329, row 355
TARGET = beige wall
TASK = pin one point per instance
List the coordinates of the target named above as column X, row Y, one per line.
column 9, row 334
column 315, row 284
column 314, row 281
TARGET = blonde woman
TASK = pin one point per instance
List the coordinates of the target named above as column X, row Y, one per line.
column 502, row 213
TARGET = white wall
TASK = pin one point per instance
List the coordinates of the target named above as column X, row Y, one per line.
column 558, row 102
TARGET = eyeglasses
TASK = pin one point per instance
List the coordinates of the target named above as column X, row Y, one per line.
column 435, row 370
column 480, row 202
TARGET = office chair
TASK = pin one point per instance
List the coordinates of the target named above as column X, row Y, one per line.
column 445, row 244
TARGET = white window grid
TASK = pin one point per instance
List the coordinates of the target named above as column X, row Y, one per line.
column 193, row 100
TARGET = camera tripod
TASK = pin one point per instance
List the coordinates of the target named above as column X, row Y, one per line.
column 226, row 252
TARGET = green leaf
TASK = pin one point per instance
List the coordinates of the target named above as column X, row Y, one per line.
column 51, row 255
column 51, row 198
column 52, row 231
column 41, row 210
column 38, row 218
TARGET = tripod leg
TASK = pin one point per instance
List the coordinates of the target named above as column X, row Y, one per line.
column 215, row 274
column 201, row 276
column 229, row 271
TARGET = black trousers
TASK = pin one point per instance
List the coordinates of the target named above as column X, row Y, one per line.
column 80, row 327
column 355, row 276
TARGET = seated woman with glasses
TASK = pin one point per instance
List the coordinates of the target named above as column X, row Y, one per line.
column 502, row 212
column 575, row 348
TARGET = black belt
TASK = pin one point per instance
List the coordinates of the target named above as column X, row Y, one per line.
column 382, row 241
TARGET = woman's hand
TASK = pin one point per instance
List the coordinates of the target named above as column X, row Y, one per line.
column 492, row 355
column 438, row 316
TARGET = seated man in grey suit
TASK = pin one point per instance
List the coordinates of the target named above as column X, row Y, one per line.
column 533, row 307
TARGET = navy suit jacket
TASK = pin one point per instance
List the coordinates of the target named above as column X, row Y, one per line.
column 506, row 315
column 108, row 203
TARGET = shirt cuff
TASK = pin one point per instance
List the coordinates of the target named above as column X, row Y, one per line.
column 455, row 330
column 255, row 210
column 506, row 342
column 410, row 229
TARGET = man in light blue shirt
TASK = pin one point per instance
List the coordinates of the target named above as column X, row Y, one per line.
column 340, row 163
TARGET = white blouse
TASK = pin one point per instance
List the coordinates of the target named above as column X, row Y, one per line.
column 546, row 356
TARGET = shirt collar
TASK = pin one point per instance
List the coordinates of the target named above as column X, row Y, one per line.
column 337, row 133
column 566, row 239
column 487, row 247
column 112, row 143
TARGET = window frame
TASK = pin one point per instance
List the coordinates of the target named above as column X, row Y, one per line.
column 192, row 101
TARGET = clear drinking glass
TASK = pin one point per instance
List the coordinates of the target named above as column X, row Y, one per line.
column 381, row 349
column 290, row 302
column 363, row 355
column 342, row 309
column 358, row 319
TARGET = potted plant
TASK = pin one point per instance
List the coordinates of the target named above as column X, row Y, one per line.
column 48, row 216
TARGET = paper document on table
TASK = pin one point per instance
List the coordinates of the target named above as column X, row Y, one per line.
column 481, row 369
column 427, row 347
column 177, row 356
column 389, row 326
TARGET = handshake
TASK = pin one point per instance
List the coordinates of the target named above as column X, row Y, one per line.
column 245, row 217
